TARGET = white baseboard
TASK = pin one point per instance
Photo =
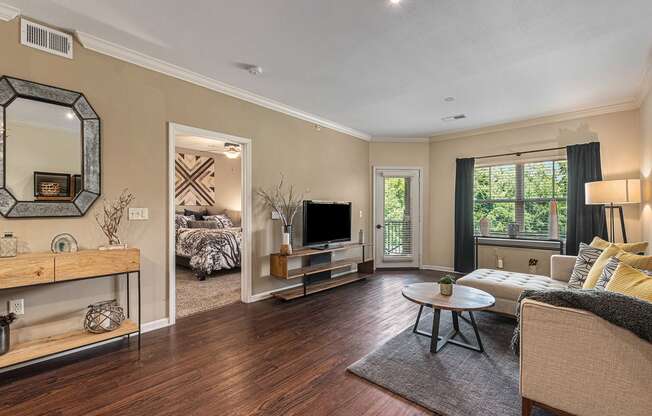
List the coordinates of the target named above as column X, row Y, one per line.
column 437, row 268
column 154, row 325
column 146, row 327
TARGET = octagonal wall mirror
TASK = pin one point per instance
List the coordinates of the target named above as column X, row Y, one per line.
column 50, row 151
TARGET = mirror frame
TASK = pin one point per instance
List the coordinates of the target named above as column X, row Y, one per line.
column 12, row 88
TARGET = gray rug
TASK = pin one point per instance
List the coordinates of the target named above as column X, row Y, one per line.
column 455, row 381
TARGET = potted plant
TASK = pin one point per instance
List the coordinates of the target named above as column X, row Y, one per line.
column 5, row 321
column 285, row 202
column 446, row 285
column 109, row 219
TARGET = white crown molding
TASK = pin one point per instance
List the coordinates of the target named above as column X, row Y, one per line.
column 400, row 139
column 134, row 57
column 8, row 12
column 632, row 104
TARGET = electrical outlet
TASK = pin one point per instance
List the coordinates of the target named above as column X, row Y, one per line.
column 360, row 213
column 138, row 214
column 17, row 306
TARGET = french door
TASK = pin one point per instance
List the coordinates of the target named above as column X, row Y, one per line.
column 397, row 217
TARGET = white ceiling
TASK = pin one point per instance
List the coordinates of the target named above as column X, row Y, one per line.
column 200, row 144
column 384, row 70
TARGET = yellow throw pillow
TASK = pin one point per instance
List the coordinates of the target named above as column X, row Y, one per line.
column 631, row 282
column 597, row 268
column 639, row 247
column 636, row 261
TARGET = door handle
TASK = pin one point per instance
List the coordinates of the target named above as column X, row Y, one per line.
column 378, row 226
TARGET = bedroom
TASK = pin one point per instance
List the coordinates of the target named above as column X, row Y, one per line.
column 208, row 233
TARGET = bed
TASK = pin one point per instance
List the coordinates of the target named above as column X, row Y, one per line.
column 207, row 247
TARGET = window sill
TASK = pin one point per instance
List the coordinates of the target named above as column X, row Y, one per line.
column 520, row 242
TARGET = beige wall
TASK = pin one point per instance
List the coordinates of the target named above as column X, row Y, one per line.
column 646, row 168
column 618, row 134
column 60, row 153
column 415, row 155
column 135, row 105
column 227, row 180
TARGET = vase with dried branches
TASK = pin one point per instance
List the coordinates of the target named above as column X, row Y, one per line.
column 109, row 219
column 285, row 201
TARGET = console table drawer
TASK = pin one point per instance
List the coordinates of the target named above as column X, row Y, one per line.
column 96, row 263
column 26, row 270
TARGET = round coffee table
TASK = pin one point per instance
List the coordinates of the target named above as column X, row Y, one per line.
column 464, row 298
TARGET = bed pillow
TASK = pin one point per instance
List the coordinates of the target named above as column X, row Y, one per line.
column 182, row 221
column 197, row 214
column 205, row 224
column 609, row 270
column 223, row 220
column 639, row 247
column 586, row 257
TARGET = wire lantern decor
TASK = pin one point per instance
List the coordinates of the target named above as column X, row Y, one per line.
column 104, row 317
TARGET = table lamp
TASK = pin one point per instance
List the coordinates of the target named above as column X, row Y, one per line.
column 613, row 195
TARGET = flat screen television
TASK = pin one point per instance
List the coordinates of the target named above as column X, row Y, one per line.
column 326, row 222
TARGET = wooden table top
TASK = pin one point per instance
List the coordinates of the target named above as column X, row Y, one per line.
column 464, row 298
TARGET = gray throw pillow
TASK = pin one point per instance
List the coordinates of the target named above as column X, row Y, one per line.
column 204, row 224
column 586, row 257
column 609, row 270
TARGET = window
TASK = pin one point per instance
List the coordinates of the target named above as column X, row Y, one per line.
column 521, row 193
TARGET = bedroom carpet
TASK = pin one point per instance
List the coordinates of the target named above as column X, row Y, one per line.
column 455, row 381
column 194, row 296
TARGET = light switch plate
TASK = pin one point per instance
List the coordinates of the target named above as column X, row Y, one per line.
column 138, row 214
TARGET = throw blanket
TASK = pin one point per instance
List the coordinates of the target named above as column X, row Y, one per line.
column 627, row 312
column 210, row 249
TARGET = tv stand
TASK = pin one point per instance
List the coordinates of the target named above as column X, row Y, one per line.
column 317, row 266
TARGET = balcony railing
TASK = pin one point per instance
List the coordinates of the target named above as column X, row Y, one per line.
column 398, row 238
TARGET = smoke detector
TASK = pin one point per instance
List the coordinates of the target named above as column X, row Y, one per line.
column 255, row 70
column 45, row 39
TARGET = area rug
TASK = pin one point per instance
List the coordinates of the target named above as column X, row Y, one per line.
column 455, row 381
column 194, row 296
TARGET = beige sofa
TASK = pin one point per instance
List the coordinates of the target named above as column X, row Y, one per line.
column 577, row 363
column 507, row 286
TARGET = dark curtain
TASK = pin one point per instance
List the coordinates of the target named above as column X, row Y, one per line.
column 464, row 251
column 584, row 221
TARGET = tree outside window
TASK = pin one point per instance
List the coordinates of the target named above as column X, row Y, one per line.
column 521, row 193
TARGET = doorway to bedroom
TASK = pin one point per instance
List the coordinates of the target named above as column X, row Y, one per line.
column 206, row 267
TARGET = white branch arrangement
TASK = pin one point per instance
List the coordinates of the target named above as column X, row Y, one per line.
column 111, row 215
column 283, row 200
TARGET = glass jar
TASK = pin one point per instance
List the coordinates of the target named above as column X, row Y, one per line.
column 8, row 245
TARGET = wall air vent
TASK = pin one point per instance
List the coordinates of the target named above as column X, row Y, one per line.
column 455, row 117
column 45, row 39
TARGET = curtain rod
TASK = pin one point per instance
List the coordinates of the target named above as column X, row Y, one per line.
column 522, row 153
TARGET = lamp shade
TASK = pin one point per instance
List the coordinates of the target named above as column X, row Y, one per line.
column 621, row 191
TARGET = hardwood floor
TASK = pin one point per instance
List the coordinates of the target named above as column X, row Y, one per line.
column 266, row 358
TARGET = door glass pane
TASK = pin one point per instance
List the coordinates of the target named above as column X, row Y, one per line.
column 397, row 224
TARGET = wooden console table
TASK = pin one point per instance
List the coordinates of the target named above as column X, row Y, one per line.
column 316, row 275
column 37, row 269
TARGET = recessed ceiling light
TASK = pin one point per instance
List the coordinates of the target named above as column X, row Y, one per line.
column 395, row 2
column 449, row 99
column 70, row 115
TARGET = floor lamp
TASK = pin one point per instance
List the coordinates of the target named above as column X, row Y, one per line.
column 613, row 195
